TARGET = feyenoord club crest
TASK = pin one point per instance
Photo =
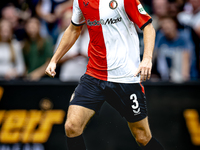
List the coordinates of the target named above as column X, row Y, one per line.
column 113, row 4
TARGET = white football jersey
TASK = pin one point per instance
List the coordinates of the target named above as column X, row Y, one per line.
column 113, row 49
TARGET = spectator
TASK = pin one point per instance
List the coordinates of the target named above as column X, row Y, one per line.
column 174, row 8
column 173, row 54
column 37, row 50
column 191, row 17
column 23, row 9
column 11, row 58
column 160, row 9
column 73, row 64
column 10, row 13
column 50, row 11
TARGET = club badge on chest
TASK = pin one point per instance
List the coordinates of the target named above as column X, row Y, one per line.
column 113, row 4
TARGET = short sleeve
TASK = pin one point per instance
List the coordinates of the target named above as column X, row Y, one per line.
column 136, row 13
column 77, row 17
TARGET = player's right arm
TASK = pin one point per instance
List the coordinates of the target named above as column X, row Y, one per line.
column 71, row 34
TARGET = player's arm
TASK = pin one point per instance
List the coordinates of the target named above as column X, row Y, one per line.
column 71, row 34
column 146, row 64
column 142, row 19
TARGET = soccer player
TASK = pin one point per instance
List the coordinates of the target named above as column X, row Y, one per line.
column 114, row 70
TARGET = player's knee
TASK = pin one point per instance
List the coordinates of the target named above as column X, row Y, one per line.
column 142, row 140
column 72, row 130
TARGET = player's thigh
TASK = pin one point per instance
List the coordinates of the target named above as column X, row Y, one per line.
column 140, row 129
column 78, row 116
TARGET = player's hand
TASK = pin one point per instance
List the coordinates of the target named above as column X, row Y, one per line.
column 144, row 69
column 50, row 71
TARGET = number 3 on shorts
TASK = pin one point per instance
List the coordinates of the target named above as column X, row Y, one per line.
column 135, row 105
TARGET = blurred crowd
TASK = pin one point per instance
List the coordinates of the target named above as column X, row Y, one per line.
column 30, row 32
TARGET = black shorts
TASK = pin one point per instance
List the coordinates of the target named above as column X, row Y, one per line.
column 128, row 99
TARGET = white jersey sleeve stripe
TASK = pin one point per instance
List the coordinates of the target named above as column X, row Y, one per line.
column 77, row 17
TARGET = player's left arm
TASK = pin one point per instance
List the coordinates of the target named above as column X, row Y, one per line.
column 142, row 19
column 146, row 64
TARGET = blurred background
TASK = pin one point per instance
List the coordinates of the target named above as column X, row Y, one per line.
column 33, row 106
